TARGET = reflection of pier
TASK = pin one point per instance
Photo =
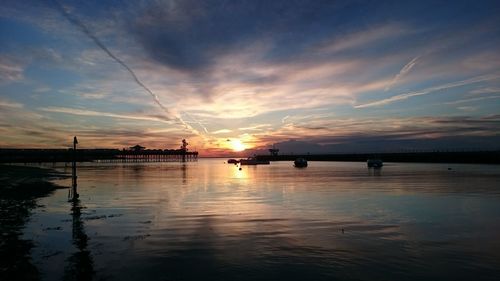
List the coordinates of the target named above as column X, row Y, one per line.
column 134, row 154
column 150, row 155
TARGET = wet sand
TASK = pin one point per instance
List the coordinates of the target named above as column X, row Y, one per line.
column 20, row 187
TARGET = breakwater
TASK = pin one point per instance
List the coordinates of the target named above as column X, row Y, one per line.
column 480, row 157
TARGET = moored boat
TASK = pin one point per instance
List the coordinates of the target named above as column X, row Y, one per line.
column 374, row 163
column 253, row 161
column 300, row 163
column 232, row 161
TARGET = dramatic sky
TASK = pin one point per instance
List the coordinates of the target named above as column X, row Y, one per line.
column 228, row 75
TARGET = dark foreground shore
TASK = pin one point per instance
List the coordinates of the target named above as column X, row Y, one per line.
column 20, row 187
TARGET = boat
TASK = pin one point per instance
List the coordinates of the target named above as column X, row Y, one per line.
column 232, row 161
column 253, row 161
column 374, row 163
column 300, row 163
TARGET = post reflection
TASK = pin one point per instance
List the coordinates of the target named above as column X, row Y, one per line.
column 184, row 173
column 79, row 266
column 375, row 171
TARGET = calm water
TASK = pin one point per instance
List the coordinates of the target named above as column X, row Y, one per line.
column 210, row 221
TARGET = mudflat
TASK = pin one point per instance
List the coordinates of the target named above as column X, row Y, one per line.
column 20, row 187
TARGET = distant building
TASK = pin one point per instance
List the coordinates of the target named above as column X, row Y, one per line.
column 184, row 145
column 274, row 151
column 137, row 148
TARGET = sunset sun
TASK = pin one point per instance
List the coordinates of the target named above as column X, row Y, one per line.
column 237, row 145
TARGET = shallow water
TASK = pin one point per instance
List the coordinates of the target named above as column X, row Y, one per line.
column 330, row 221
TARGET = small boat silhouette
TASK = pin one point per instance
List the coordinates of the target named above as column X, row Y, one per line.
column 253, row 161
column 300, row 163
column 374, row 163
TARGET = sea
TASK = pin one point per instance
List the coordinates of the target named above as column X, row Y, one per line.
column 209, row 220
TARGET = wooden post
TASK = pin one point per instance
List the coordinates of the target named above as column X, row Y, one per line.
column 74, row 176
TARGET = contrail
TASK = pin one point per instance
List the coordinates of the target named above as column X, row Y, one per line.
column 402, row 72
column 427, row 91
column 196, row 121
column 73, row 20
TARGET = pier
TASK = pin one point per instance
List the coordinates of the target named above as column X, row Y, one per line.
column 133, row 154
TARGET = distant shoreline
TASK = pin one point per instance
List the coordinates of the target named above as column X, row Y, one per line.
column 8, row 156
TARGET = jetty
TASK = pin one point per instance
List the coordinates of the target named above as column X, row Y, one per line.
column 477, row 157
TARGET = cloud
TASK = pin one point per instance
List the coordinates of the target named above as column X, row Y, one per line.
column 485, row 91
column 195, row 121
column 83, row 27
column 428, row 91
column 192, row 36
column 92, row 36
column 222, row 131
column 258, row 127
column 93, row 96
column 84, row 112
column 473, row 100
column 363, row 38
column 10, row 70
column 10, row 104
column 467, row 108
column 402, row 72
column 366, row 134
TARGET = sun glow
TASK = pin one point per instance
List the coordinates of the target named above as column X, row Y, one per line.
column 237, row 145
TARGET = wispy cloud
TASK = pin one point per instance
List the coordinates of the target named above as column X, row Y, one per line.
column 84, row 112
column 485, row 91
column 352, row 130
column 195, row 121
column 258, row 127
column 428, row 91
column 10, row 104
column 221, row 131
column 83, row 27
column 168, row 112
column 10, row 70
column 364, row 37
column 468, row 108
column 93, row 96
column 473, row 99
column 402, row 73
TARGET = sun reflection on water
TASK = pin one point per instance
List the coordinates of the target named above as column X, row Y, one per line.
column 240, row 172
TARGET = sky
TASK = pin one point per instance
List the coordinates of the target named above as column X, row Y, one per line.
column 315, row 76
